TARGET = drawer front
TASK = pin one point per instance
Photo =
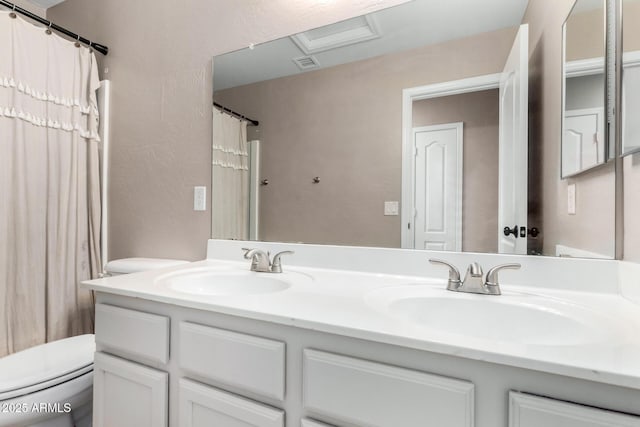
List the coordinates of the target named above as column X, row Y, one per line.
column 532, row 411
column 203, row 406
column 372, row 394
column 311, row 423
column 133, row 333
column 249, row 363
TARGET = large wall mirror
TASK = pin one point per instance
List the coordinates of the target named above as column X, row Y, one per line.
column 406, row 127
column 584, row 119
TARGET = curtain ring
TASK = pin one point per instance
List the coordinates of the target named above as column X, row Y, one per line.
column 48, row 30
column 78, row 42
column 12, row 15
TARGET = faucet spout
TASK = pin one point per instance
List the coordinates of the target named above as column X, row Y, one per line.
column 259, row 260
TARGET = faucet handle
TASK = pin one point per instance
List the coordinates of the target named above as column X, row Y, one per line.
column 454, row 274
column 246, row 252
column 492, row 274
column 276, row 264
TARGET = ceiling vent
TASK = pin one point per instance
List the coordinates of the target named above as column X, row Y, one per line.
column 306, row 62
column 337, row 35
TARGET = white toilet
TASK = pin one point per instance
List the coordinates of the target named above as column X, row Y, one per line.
column 51, row 385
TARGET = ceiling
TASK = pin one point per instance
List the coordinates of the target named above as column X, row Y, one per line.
column 407, row 26
column 45, row 4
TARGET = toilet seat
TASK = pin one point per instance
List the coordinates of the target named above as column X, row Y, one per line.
column 45, row 366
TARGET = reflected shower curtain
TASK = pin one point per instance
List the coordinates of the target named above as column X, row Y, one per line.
column 230, row 189
column 49, row 186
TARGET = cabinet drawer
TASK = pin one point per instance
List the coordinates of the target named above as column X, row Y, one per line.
column 372, row 394
column 133, row 333
column 532, row 411
column 249, row 363
column 203, row 406
column 311, row 423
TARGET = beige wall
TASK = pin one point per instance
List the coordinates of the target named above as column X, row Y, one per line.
column 593, row 228
column 160, row 65
column 480, row 113
column 25, row 4
column 344, row 124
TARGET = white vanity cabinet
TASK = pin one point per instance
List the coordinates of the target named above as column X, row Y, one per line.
column 534, row 411
column 164, row 365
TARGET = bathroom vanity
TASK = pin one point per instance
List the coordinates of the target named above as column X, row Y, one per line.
column 382, row 343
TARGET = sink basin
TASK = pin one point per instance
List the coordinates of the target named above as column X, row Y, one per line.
column 511, row 317
column 229, row 282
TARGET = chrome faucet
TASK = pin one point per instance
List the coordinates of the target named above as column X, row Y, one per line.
column 261, row 263
column 473, row 282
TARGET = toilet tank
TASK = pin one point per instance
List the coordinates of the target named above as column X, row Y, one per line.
column 135, row 265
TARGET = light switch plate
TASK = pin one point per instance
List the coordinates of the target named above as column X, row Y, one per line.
column 571, row 199
column 199, row 198
column 391, row 208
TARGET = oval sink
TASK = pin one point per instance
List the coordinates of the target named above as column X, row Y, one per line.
column 228, row 282
column 513, row 317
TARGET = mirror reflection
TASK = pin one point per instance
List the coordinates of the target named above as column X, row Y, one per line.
column 401, row 128
column 584, row 96
column 630, row 76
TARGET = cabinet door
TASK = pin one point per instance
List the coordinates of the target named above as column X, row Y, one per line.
column 533, row 411
column 126, row 394
column 204, row 406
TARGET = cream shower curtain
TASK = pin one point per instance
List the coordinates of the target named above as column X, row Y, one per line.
column 49, row 185
column 230, row 190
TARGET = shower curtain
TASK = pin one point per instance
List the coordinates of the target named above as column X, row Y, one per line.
column 49, row 185
column 230, row 189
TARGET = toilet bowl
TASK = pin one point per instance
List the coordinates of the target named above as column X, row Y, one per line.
column 51, row 385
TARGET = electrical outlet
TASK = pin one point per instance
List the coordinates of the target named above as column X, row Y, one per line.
column 199, row 198
column 391, row 208
column 571, row 199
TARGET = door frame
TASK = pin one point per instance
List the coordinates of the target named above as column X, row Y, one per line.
column 409, row 95
column 459, row 128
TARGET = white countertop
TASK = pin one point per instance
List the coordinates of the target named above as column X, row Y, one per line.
column 339, row 302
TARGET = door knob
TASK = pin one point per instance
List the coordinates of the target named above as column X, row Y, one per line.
column 507, row 231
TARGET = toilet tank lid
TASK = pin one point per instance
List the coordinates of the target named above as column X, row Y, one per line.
column 134, row 265
column 46, row 362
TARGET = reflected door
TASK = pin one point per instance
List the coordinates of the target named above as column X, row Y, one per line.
column 438, row 187
column 513, row 163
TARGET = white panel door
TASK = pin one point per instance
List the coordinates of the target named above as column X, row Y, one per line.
column 203, row 406
column 126, row 394
column 513, row 162
column 582, row 140
column 438, row 187
column 533, row 411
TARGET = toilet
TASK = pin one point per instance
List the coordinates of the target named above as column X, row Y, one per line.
column 51, row 385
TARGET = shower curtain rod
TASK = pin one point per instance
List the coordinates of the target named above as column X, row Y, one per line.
column 50, row 25
column 236, row 114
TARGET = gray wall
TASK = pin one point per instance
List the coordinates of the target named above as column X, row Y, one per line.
column 344, row 124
